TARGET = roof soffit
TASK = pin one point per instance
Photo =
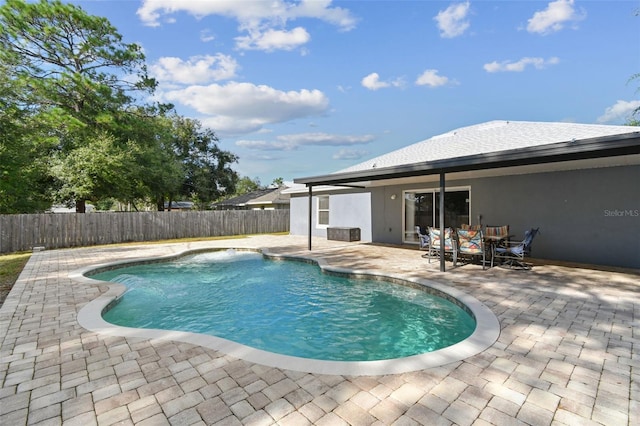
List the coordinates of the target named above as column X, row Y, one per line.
column 601, row 147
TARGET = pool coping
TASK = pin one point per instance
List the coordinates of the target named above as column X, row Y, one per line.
column 485, row 335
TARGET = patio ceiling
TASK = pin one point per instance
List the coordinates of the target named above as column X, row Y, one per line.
column 601, row 151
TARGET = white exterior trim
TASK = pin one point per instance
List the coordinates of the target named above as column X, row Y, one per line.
column 318, row 210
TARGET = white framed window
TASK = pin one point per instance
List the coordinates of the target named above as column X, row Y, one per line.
column 322, row 214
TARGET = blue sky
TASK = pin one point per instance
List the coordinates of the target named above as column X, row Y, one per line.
column 305, row 88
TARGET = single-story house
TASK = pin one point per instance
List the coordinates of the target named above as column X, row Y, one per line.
column 579, row 183
column 262, row 199
column 178, row 205
column 62, row 208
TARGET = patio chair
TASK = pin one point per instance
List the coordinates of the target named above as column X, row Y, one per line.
column 450, row 245
column 513, row 253
column 471, row 243
column 423, row 240
column 466, row 227
column 496, row 232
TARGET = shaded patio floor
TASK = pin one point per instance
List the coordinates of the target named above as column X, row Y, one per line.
column 568, row 353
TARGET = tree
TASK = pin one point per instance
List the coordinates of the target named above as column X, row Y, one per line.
column 72, row 60
column 208, row 173
column 23, row 173
column 75, row 113
column 246, row 185
column 106, row 169
column 77, row 73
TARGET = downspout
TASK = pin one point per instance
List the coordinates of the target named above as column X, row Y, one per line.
column 442, row 239
column 310, row 217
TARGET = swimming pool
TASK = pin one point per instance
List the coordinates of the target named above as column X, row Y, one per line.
column 286, row 307
column 485, row 334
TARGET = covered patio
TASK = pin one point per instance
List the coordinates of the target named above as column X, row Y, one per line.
column 566, row 354
column 559, row 177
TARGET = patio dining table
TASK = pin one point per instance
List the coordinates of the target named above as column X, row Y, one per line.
column 493, row 241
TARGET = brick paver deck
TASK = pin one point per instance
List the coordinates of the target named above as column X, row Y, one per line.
column 568, row 353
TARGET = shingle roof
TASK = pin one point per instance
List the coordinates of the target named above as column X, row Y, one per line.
column 241, row 200
column 273, row 197
column 493, row 136
column 179, row 204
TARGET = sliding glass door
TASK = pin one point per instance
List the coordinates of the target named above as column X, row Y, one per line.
column 422, row 208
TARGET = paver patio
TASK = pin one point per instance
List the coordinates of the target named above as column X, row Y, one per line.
column 568, row 353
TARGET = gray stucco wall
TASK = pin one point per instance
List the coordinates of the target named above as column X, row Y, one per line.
column 588, row 216
column 387, row 218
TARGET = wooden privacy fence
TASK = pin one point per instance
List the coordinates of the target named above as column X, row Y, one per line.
column 24, row 231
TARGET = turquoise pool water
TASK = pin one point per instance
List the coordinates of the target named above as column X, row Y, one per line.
column 286, row 307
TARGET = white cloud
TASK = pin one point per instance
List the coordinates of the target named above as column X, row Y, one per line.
column 264, row 21
column 271, row 40
column 519, row 66
column 206, row 36
column 350, row 154
column 320, row 9
column 225, row 125
column 325, row 139
column 236, row 108
column 619, row 112
column 261, row 145
column 373, row 82
column 294, row 141
column 554, row 17
column 195, row 70
column 432, row 79
column 452, row 21
column 151, row 11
